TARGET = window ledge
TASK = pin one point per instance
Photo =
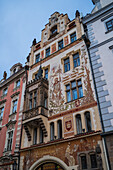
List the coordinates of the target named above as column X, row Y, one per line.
column 13, row 113
column 16, row 88
column 74, row 100
column 3, row 96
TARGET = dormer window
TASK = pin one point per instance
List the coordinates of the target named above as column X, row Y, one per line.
column 54, row 30
column 14, row 71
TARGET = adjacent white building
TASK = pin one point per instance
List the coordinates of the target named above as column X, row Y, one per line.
column 99, row 29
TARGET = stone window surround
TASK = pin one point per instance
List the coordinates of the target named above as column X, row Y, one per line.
column 87, row 154
column 106, row 20
column 16, row 97
column 70, row 55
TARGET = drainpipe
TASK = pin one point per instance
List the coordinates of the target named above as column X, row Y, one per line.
column 87, row 42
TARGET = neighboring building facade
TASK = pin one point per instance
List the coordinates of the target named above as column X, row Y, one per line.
column 100, row 33
column 61, row 124
column 11, row 108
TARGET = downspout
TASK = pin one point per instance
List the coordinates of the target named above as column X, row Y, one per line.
column 87, row 42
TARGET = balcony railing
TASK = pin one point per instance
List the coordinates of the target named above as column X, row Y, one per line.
column 28, row 114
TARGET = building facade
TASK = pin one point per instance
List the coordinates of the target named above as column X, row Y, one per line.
column 11, row 108
column 61, row 123
column 99, row 28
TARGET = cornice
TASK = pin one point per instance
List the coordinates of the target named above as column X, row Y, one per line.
column 12, row 77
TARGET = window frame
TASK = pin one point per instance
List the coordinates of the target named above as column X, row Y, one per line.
column 37, row 55
column 17, row 86
column 13, row 106
column 52, row 131
column 47, row 49
column 86, row 121
column 1, row 113
column 76, row 59
column 73, row 36
column 9, row 140
column 80, row 123
column 5, row 90
column 67, row 64
column 73, row 88
column 111, row 20
column 59, row 129
column 61, row 42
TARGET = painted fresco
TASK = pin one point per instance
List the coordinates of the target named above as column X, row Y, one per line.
column 58, row 79
column 68, row 152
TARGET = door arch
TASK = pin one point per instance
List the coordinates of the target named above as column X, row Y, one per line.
column 46, row 160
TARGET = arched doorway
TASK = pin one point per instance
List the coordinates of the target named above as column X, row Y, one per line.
column 49, row 166
column 49, row 163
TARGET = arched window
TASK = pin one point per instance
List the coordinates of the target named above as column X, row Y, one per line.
column 78, row 123
column 59, row 126
column 52, row 131
column 88, row 121
column 35, row 136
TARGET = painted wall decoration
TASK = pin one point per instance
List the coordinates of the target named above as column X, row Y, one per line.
column 58, row 79
column 66, row 41
column 53, row 48
column 56, row 99
column 42, row 54
column 67, row 151
column 68, row 125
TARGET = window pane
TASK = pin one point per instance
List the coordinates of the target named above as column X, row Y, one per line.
column 35, row 136
column 74, row 93
column 59, row 129
column 68, row 96
column 93, row 161
column 52, row 131
column 41, row 135
column 37, row 58
column 66, row 65
column 76, row 60
column 109, row 25
column 47, row 52
column 60, row 44
column 80, row 92
column 73, row 84
column 1, row 112
column 79, row 124
column 73, row 37
column 83, row 162
column 46, row 73
column 68, row 87
column 88, row 121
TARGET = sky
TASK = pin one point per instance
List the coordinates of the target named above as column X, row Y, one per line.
column 22, row 20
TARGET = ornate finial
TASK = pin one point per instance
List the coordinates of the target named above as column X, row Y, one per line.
column 4, row 75
column 77, row 13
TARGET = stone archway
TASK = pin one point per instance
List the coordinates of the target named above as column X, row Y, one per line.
column 47, row 159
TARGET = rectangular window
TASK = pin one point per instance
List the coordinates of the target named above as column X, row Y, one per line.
column 41, row 135
column 37, row 58
column 46, row 73
column 83, row 162
column 47, row 52
column 1, row 112
column 93, row 161
column 68, row 93
column 52, row 131
column 73, row 37
column 109, row 25
column 14, row 106
column 9, row 140
column 5, row 91
column 35, row 136
column 35, row 98
column 76, row 60
column 30, row 101
column 17, row 83
column 74, row 90
column 60, row 45
column 66, row 64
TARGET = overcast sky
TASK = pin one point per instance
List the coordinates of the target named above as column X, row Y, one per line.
column 22, row 20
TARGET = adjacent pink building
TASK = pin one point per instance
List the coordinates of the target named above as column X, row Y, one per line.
column 11, row 107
